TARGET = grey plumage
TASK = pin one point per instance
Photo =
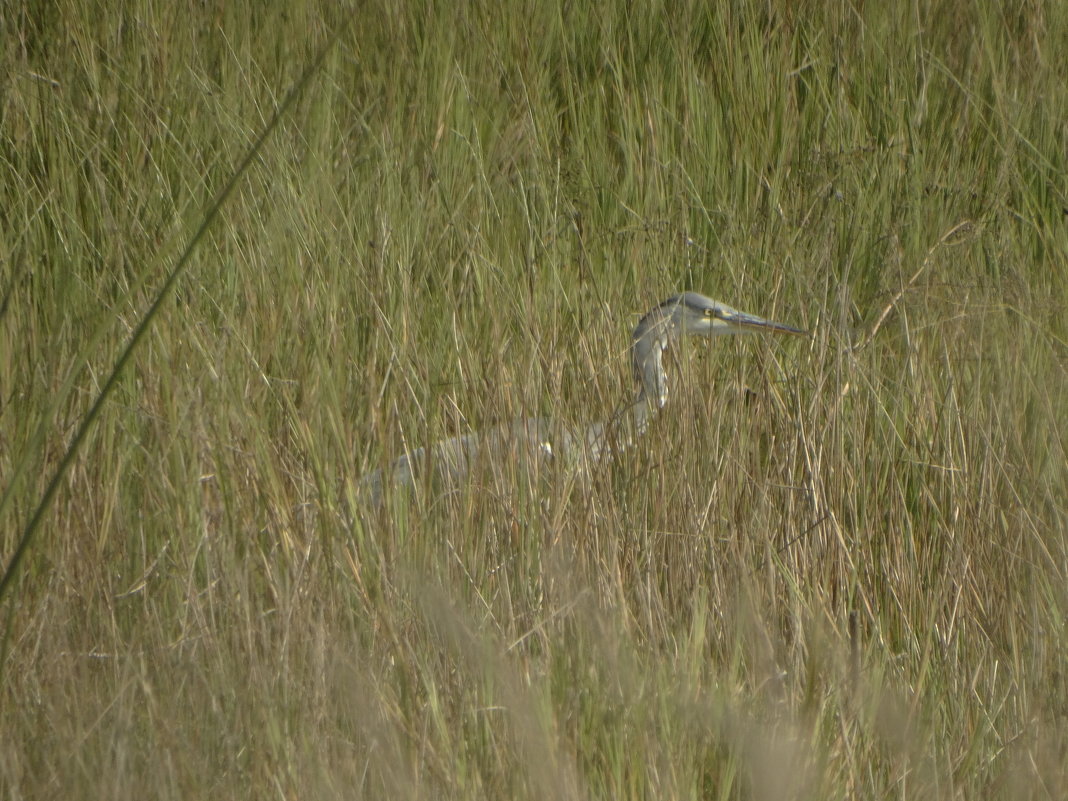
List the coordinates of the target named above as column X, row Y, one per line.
column 534, row 443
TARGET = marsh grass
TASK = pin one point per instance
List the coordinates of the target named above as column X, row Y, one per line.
column 835, row 568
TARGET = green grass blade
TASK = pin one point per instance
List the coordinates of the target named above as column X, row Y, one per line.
column 164, row 294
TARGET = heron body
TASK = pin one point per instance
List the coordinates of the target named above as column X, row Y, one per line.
column 540, row 441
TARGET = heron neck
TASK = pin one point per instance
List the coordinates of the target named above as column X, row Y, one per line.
column 648, row 343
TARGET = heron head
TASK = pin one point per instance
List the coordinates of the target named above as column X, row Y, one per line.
column 701, row 316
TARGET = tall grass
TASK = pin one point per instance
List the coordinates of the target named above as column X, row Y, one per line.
column 848, row 581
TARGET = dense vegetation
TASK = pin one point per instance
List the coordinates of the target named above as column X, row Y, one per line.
column 834, row 568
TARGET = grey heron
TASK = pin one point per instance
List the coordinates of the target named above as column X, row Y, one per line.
column 542, row 440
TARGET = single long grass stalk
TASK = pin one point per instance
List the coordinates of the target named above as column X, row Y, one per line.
column 164, row 294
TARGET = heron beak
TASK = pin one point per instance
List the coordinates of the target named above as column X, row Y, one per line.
column 753, row 323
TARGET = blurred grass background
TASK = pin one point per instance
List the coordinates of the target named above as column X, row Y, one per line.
column 852, row 585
